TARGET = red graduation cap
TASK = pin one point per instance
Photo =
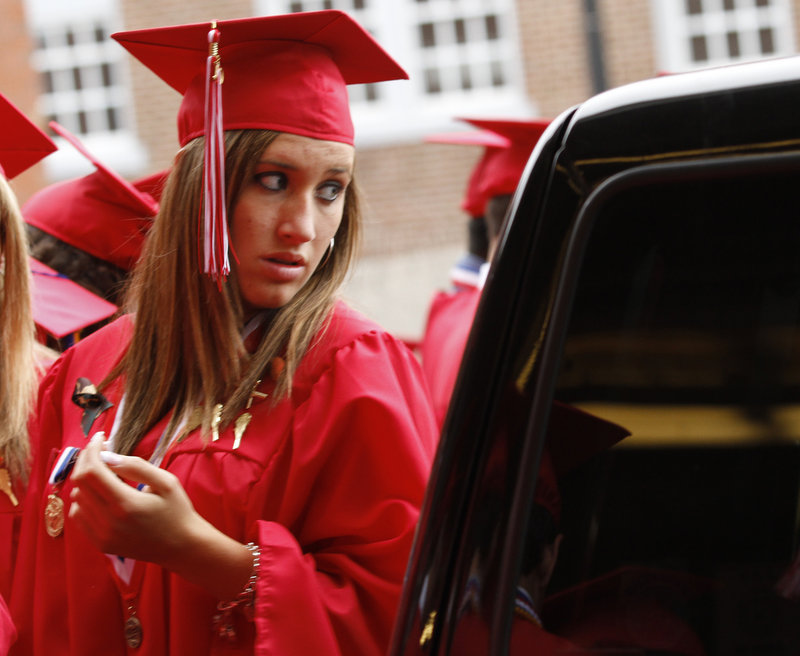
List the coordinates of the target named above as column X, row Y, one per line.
column 62, row 307
column 499, row 170
column 152, row 184
column 474, row 203
column 22, row 144
column 573, row 437
column 287, row 73
column 100, row 213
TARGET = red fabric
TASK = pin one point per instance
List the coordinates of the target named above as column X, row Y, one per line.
column 62, row 307
column 7, row 631
column 446, row 331
column 9, row 531
column 329, row 484
column 22, row 143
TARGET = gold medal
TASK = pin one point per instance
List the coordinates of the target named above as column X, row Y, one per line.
column 54, row 516
column 133, row 632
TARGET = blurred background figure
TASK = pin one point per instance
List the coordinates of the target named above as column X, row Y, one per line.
column 466, row 272
column 22, row 144
column 508, row 145
column 91, row 229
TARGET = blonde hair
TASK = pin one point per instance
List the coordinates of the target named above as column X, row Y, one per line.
column 18, row 368
column 187, row 350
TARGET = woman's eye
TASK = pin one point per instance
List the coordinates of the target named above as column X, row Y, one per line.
column 329, row 191
column 274, row 181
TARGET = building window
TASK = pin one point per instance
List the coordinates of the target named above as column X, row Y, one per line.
column 81, row 81
column 458, row 53
column 701, row 33
column 84, row 84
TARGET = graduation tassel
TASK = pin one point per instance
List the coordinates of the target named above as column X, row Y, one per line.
column 215, row 223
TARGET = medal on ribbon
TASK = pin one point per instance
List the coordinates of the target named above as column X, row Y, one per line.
column 54, row 508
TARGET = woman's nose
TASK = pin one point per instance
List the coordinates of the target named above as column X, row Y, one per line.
column 297, row 219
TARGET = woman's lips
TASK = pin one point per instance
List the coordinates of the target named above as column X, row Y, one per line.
column 285, row 267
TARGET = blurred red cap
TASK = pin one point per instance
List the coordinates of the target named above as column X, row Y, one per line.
column 573, row 437
column 22, row 144
column 474, row 202
column 100, row 213
column 287, row 73
column 500, row 169
column 62, row 307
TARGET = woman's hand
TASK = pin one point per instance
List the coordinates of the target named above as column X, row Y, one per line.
column 157, row 524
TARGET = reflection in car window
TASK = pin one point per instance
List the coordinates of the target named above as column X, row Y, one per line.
column 682, row 538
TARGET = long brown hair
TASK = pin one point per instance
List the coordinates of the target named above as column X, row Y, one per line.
column 187, row 350
column 18, row 369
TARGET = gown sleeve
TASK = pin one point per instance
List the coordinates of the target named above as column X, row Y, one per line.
column 361, row 446
column 7, row 631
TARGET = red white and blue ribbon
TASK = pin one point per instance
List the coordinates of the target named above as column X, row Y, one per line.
column 64, row 463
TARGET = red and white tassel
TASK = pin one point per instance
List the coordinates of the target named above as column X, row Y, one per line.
column 215, row 224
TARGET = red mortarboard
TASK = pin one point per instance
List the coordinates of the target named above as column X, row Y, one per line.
column 573, row 437
column 499, row 170
column 286, row 73
column 22, row 144
column 473, row 203
column 62, row 307
column 100, row 213
column 152, row 184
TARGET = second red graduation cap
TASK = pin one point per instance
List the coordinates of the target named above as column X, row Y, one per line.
column 100, row 213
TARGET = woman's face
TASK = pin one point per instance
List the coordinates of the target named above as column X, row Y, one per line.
column 286, row 215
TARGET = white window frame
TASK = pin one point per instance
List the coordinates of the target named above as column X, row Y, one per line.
column 404, row 111
column 674, row 28
column 118, row 148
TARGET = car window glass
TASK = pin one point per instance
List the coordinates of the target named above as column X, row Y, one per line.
column 682, row 537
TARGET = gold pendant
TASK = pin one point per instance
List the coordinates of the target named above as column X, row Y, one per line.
column 5, row 486
column 133, row 632
column 54, row 516
column 239, row 428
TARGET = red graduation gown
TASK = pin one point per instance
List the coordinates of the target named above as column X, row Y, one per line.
column 7, row 630
column 446, row 332
column 329, row 484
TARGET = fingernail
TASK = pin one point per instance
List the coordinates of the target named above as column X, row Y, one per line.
column 99, row 436
column 111, row 458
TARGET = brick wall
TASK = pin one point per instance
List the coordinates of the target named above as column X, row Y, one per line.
column 19, row 84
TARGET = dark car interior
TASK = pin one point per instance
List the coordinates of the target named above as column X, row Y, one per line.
column 683, row 538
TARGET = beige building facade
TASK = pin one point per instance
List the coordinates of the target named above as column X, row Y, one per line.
column 489, row 58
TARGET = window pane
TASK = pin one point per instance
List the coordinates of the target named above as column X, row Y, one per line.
column 461, row 32
column 492, row 32
column 427, row 38
column 432, row 82
column 466, row 78
column 765, row 37
column 694, row 7
column 699, row 49
column 733, row 44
